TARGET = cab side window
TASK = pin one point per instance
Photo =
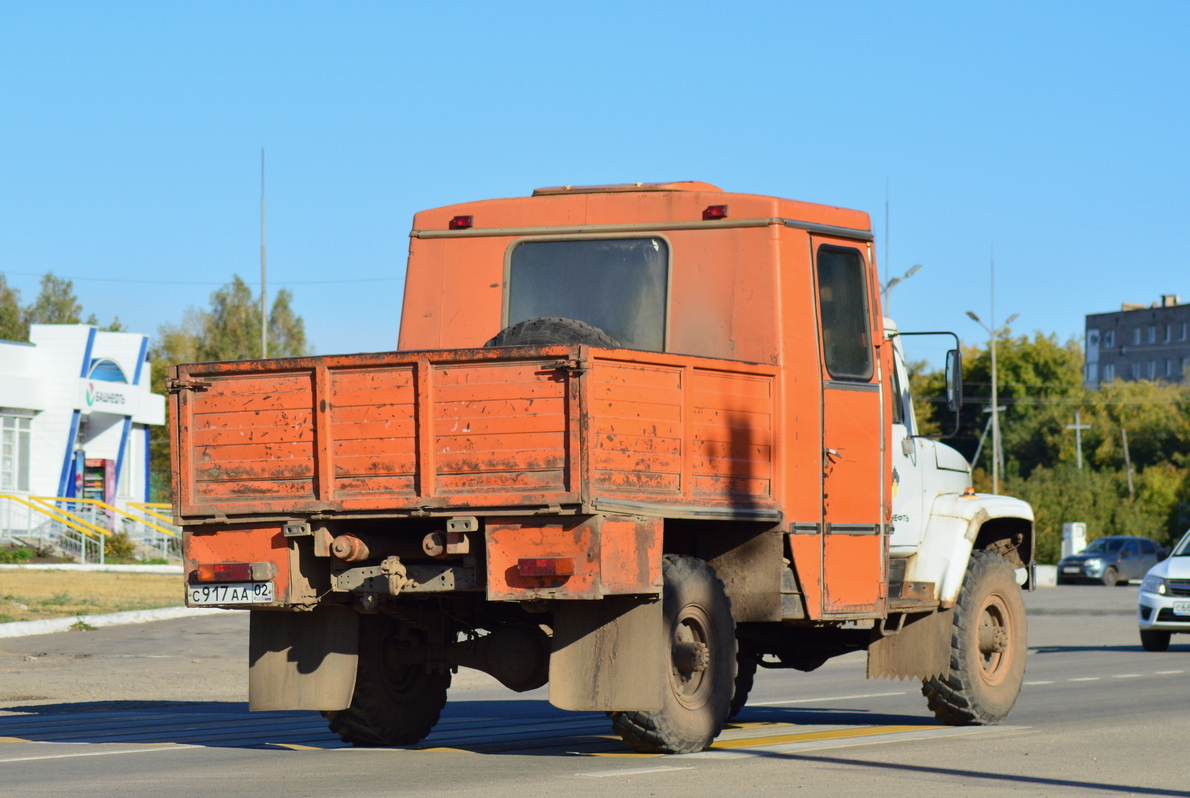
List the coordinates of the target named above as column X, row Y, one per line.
column 898, row 407
column 843, row 307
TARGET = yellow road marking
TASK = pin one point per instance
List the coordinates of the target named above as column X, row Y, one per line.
column 296, row 747
column 757, row 724
column 12, row 740
column 781, row 739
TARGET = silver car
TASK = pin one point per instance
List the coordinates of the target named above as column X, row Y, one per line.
column 1164, row 599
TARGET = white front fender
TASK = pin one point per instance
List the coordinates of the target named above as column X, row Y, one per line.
column 954, row 524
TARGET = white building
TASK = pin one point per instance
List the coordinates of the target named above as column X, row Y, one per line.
column 75, row 414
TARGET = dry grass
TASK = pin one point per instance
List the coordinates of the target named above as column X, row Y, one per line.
column 34, row 595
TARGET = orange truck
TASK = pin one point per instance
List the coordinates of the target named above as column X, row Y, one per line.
column 636, row 442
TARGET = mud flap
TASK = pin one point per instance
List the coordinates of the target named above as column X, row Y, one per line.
column 921, row 649
column 302, row 660
column 609, row 655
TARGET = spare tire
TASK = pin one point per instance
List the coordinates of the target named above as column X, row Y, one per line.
column 551, row 331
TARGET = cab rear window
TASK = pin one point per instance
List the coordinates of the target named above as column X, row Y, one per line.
column 618, row 285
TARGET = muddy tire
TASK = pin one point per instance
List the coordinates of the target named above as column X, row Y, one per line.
column 745, row 676
column 393, row 703
column 1154, row 640
column 988, row 646
column 551, row 331
column 1111, row 577
column 702, row 666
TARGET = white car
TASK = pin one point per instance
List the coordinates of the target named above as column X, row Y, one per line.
column 1164, row 602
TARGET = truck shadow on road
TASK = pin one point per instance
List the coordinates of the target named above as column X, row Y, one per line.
column 1075, row 649
column 517, row 726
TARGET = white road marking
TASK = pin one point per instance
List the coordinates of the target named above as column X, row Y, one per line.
column 1127, row 675
column 1050, row 682
column 153, row 750
column 1167, row 673
column 815, row 700
column 1084, row 679
column 634, row 772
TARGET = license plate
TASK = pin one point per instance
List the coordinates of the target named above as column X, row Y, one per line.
column 1181, row 608
column 1071, row 570
column 232, row 593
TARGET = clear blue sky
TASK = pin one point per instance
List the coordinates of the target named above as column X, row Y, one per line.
column 130, row 138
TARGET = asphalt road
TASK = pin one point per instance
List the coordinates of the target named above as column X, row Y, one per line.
column 158, row 710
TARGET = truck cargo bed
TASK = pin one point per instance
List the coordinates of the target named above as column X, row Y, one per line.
column 503, row 430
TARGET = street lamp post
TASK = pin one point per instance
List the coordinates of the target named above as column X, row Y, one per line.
column 887, row 287
column 993, row 334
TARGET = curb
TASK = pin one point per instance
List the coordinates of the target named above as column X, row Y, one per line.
column 111, row 569
column 51, row 625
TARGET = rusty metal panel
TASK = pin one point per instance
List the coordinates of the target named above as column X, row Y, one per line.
column 609, row 655
column 250, row 437
column 676, row 429
column 630, row 554
column 854, row 574
column 501, row 426
column 250, row 544
column 920, row 650
column 510, row 539
column 302, row 660
column 636, row 428
column 733, row 435
column 371, row 434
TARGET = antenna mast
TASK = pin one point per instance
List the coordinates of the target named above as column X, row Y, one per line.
column 264, row 303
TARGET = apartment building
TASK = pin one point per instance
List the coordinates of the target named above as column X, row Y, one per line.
column 1139, row 342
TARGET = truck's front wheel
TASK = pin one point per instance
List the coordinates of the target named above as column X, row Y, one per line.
column 394, row 703
column 700, row 633
column 988, row 645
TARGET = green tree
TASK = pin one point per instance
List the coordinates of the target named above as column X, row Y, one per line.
column 287, row 331
column 1040, row 385
column 56, row 304
column 12, row 322
column 228, row 330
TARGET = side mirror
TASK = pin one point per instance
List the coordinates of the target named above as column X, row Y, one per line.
column 954, row 380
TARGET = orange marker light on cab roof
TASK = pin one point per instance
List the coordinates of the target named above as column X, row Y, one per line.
column 462, row 222
column 714, row 212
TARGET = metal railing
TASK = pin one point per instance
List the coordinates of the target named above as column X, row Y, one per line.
column 79, row 528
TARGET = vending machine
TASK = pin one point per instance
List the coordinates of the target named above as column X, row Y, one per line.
column 99, row 479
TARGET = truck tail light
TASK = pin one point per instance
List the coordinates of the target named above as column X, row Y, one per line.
column 462, row 222
column 235, row 572
column 545, row 566
column 714, row 212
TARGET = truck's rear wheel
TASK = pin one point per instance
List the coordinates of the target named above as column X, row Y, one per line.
column 702, row 664
column 551, row 330
column 745, row 676
column 394, row 703
column 988, row 645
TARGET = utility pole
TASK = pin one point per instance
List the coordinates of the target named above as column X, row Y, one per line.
column 1078, row 428
column 1127, row 463
column 993, row 333
column 264, row 289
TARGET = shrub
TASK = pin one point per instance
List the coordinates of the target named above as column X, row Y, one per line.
column 19, row 554
column 119, row 546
